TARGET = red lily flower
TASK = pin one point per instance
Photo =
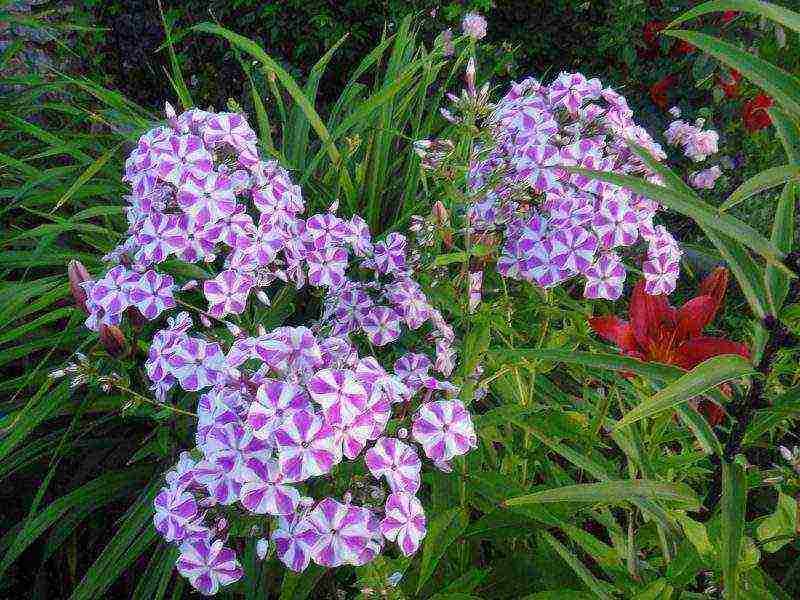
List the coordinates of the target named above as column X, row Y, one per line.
column 658, row 332
column 754, row 113
column 658, row 91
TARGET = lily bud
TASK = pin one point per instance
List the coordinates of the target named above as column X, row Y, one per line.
column 113, row 341
column 470, row 75
column 714, row 286
column 78, row 274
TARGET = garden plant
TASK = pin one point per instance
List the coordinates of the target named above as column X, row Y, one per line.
column 441, row 333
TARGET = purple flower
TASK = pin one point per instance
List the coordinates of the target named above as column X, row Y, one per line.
column 343, row 533
column 412, row 369
column 209, row 200
column 307, row 447
column 352, row 306
column 605, row 277
column 196, row 364
column 660, row 274
column 474, row 25
column 339, row 393
column 360, row 238
column 220, row 483
column 404, row 522
column 152, row 238
column 231, row 446
column 275, row 400
column 216, row 408
column 175, row 509
column 409, row 302
column 705, row 179
column 615, row 224
column 152, row 294
column 294, row 538
column 396, row 461
column 287, row 348
column 326, row 266
column 227, row 293
column 354, row 435
column 208, row 565
column 111, row 293
column 444, row 429
column 182, row 158
column 258, row 247
column 382, row 325
column 390, row 254
column 264, row 491
column 231, row 129
column 573, row 249
column 327, row 230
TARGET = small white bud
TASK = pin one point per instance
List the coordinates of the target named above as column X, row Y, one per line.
column 205, row 320
column 402, row 433
column 189, row 285
column 786, row 453
column 262, row 331
column 261, row 548
column 394, row 578
column 57, row 374
column 262, row 297
column 348, row 497
column 235, row 330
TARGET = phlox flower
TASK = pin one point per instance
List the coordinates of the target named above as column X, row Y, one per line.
column 389, row 255
column 413, row 369
column 294, row 538
column 207, row 201
column 404, row 521
column 227, row 293
column 275, row 400
column 339, row 392
column 182, row 158
column 382, row 325
column 604, row 279
column 112, row 292
column 327, row 230
column 152, row 237
column 264, row 489
column 231, row 445
column 397, row 462
column 343, row 533
column 307, row 446
column 474, row 25
column 444, row 430
column 208, row 565
column 197, row 364
column 152, row 294
column 175, row 509
column 216, row 408
column 326, row 266
column 287, row 348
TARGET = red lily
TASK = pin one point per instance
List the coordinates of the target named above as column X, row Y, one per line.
column 658, row 332
column 754, row 113
column 658, row 91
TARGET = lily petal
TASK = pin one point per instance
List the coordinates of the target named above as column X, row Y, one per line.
column 649, row 315
column 616, row 331
column 692, row 352
column 694, row 316
column 714, row 286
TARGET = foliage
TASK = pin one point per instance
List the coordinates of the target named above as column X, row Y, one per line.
column 594, row 476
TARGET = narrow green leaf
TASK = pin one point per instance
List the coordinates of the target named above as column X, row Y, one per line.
column 766, row 179
column 782, row 524
column 443, row 530
column 600, row 588
column 681, row 495
column 788, row 133
column 709, row 374
column 773, row 12
column 776, row 281
column 779, row 84
column 733, row 505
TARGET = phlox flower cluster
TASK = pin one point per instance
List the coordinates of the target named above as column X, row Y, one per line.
column 557, row 224
column 278, row 410
column 697, row 144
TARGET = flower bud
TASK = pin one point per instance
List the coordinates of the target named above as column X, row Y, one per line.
column 189, row 285
column 113, row 340
column 261, row 548
column 78, row 274
column 469, row 77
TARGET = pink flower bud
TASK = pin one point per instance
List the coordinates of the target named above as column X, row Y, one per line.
column 113, row 340
column 78, row 274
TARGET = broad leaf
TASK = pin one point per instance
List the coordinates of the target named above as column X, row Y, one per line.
column 613, row 492
column 766, row 179
column 733, row 504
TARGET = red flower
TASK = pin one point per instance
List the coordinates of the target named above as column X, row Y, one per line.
column 651, row 31
column 658, row 91
column 682, row 47
column 659, row 333
column 754, row 113
column 730, row 83
column 729, row 15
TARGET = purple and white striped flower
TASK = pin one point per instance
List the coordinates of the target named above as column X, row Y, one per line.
column 404, row 522
column 382, row 325
column 295, row 538
column 208, row 565
column 397, row 462
column 326, row 266
column 275, row 400
column 604, row 279
column 197, row 364
column 444, row 430
column 152, row 294
column 340, row 394
column 343, row 533
column 227, row 293
column 307, row 446
column 264, row 489
column 175, row 510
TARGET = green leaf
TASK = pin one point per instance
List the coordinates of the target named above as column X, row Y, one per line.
column 443, row 530
column 705, row 376
column 733, row 505
column 782, row 86
column 788, row 133
column 614, row 492
column 766, row 179
column 773, row 12
column 776, row 281
column 780, row 524
column 600, row 588
column 696, row 533
column 298, row 586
